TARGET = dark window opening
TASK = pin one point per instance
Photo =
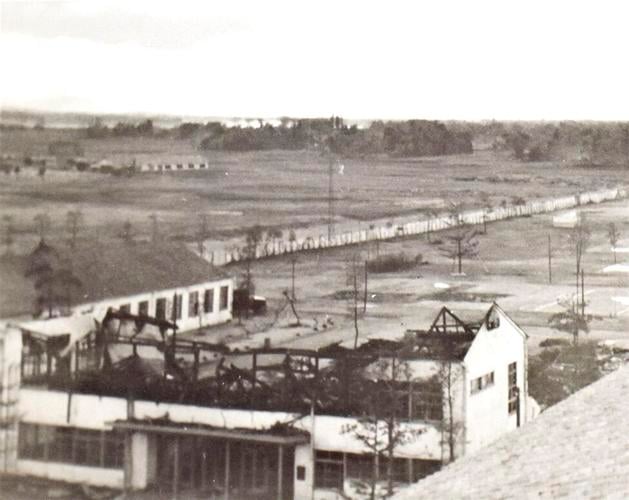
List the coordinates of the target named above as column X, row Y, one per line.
column 160, row 308
column 193, row 304
column 329, row 470
column 301, row 473
column 143, row 308
column 208, row 301
column 224, row 299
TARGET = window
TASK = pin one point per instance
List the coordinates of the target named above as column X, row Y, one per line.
column 513, row 387
column 202, row 165
column 113, row 453
column 125, row 308
column 426, row 401
column 87, row 447
column 190, row 165
column 143, row 308
column 301, row 473
column 193, row 304
column 224, row 304
column 179, row 166
column 480, row 383
column 359, row 466
column 160, row 308
column 178, row 298
column 208, row 301
column 71, row 445
column 328, row 469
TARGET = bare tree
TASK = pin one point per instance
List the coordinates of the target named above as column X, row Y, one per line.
column 579, row 240
column 614, row 235
column 354, row 269
column 202, row 234
column 126, row 234
column 42, row 222
column 9, row 232
column 449, row 378
column 253, row 238
column 73, row 221
column 570, row 320
column 154, row 228
column 460, row 245
column 380, row 428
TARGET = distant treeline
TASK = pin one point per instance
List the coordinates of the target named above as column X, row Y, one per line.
column 585, row 142
column 410, row 138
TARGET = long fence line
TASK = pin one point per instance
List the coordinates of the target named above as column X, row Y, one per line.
column 280, row 246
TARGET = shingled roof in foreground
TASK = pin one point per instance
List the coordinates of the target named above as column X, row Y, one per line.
column 578, row 448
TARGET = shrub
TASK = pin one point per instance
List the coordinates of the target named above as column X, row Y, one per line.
column 392, row 263
column 553, row 342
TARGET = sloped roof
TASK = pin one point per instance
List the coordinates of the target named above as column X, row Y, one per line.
column 578, row 448
column 120, row 270
column 107, row 271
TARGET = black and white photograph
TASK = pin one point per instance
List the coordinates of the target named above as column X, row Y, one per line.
column 332, row 250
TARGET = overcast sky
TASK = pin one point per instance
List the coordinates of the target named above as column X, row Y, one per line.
column 442, row 59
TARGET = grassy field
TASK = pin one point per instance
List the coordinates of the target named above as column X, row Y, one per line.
column 275, row 189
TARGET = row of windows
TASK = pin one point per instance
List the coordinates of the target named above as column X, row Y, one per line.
column 332, row 468
column 163, row 304
column 480, row 383
column 71, row 445
column 423, row 402
column 179, row 166
column 513, row 387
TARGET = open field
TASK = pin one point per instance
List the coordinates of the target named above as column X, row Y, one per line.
column 275, row 189
column 512, row 269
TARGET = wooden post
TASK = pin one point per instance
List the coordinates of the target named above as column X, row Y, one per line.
column 176, row 469
column 227, row 460
column 254, row 370
column 280, row 472
column 195, row 369
column 365, row 298
column 550, row 268
column 582, row 294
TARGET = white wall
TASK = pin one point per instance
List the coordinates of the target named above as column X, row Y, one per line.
column 95, row 476
column 304, row 458
column 217, row 316
column 10, row 356
column 487, row 410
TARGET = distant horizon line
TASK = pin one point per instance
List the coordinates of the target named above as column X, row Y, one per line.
column 200, row 117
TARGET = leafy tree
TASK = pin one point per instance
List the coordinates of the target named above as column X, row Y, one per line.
column 614, row 235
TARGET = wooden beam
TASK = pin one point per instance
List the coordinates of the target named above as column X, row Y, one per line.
column 280, row 472
column 227, row 459
column 176, row 468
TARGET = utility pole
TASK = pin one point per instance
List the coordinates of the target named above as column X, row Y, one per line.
column 550, row 265
column 582, row 294
column 365, row 298
column 330, row 199
column 293, row 261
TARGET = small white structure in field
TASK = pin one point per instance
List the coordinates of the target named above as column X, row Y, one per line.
column 566, row 219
